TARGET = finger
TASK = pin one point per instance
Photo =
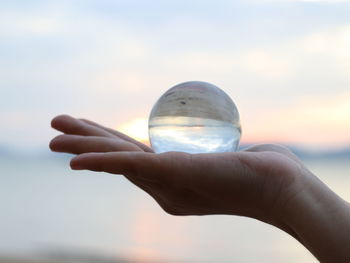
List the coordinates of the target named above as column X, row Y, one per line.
column 172, row 168
column 140, row 165
column 77, row 144
column 120, row 135
column 70, row 125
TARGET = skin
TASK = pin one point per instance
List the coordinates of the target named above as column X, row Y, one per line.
column 266, row 182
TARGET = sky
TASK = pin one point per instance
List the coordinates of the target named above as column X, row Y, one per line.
column 285, row 63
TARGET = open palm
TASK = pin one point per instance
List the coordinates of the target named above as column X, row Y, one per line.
column 255, row 182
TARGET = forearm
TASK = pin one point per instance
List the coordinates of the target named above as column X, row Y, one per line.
column 321, row 221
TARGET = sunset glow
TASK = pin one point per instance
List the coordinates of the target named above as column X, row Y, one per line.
column 136, row 128
column 316, row 122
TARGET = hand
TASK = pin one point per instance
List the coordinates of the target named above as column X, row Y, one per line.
column 257, row 182
column 266, row 182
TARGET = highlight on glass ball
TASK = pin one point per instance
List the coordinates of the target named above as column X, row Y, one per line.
column 194, row 117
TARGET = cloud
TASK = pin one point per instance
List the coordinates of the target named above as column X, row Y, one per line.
column 314, row 62
column 323, row 1
column 112, row 69
column 332, row 44
column 266, row 64
column 18, row 23
column 301, row 1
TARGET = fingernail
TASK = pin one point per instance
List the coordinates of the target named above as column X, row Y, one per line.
column 76, row 166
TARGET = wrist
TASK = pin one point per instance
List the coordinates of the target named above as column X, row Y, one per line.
column 319, row 219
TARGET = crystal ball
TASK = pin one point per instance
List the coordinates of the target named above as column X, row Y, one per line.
column 194, row 117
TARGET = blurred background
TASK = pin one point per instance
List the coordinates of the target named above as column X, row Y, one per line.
column 285, row 63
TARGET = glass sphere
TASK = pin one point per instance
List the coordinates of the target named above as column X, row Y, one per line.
column 194, row 117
